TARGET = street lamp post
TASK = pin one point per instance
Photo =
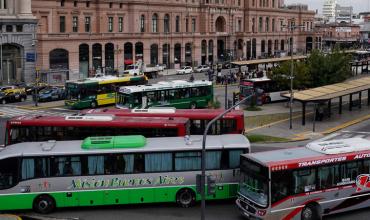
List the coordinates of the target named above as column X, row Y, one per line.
column 203, row 162
column 291, row 79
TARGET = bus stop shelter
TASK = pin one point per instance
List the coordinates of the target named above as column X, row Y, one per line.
column 267, row 61
column 328, row 93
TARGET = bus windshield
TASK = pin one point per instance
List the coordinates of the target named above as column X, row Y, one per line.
column 8, row 173
column 254, row 182
column 72, row 90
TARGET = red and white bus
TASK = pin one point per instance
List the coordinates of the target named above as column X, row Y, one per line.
column 43, row 128
column 307, row 182
column 231, row 123
column 271, row 91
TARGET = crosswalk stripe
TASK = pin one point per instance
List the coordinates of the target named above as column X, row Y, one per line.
column 8, row 112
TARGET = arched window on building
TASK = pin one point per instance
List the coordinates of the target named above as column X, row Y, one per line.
column 142, row 23
column 155, row 23
column 166, row 23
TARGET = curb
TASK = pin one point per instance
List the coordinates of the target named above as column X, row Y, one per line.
column 345, row 125
column 302, row 136
column 38, row 107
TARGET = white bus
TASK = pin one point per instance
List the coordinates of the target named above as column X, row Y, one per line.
column 307, row 182
column 116, row 170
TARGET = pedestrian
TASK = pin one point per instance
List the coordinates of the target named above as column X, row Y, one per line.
column 219, row 76
column 191, row 78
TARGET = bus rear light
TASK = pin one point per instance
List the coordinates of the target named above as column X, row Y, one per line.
column 261, row 212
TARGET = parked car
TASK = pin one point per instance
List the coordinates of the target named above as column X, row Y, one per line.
column 30, row 88
column 13, row 94
column 161, row 67
column 51, row 94
column 185, row 70
column 202, row 68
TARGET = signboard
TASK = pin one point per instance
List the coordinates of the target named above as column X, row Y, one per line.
column 30, row 57
column 343, row 29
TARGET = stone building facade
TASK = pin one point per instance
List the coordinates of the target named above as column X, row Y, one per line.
column 17, row 40
column 84, row 35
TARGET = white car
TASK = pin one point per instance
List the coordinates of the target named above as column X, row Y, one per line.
column 185, row 70
column 202, row 68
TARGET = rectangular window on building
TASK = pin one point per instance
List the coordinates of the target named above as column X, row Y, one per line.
column 239, row 25
column 193, row 25
column 3, row 4
column 19, row 28
column 62, row 3
column 62, row 24
column 120, row 5
column 110, row 5
column 75, row 4
column 120, row 24
column 87, row 24
column 75, row 24
column 87, row 4
column 177, row 28
column 110, row 24
column 187, row 25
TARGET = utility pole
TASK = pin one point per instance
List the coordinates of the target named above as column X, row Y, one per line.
column 291, row 78
column 203, row 162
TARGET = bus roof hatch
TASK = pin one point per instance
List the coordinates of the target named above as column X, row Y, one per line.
column 340, row 146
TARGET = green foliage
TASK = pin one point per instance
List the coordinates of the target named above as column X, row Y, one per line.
column 258, row 138
column 281, row 75
column 328, row 68
column 320, row 69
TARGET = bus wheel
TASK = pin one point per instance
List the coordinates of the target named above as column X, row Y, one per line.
column 44, row 204
column 310, row 212
column 185, row 198
column 93, row 104
column 193, row 105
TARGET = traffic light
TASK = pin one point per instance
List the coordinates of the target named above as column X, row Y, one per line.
column 211, row 185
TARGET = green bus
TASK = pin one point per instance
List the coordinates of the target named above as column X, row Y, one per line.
column 97, row 91
column 179, row 94
column 116, row 170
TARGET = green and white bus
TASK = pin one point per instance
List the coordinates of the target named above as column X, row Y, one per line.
column 116, row 170
column 97, row 91
column 179, row 94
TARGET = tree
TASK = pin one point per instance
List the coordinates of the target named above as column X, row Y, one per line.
column 281, row 75
column 328, row 68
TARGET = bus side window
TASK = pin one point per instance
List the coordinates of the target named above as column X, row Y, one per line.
column 139, row 163
column 213, row 160
column 234, row 158
column 190, row 160
column 280, row 185
column 328, row 176
column 366, row 166
column 114, row 164
column 350, row 171
column 304, row 180
column 158, row 162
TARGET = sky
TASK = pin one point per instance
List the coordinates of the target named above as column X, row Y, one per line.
column 358, row 5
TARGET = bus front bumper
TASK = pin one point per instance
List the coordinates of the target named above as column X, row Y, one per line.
column 246, row 210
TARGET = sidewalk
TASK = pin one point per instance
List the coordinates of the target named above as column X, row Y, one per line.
column 278, row 126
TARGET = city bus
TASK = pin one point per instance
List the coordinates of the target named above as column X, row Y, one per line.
column 97, row 91
column 114, row 170
column 271, row 91
column 44, row 128
column 231, row 123
column 178, row 93
column 305, row 183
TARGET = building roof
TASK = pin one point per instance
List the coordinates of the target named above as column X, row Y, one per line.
column 331, row 91
column 270, row 60
column 152, row 145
